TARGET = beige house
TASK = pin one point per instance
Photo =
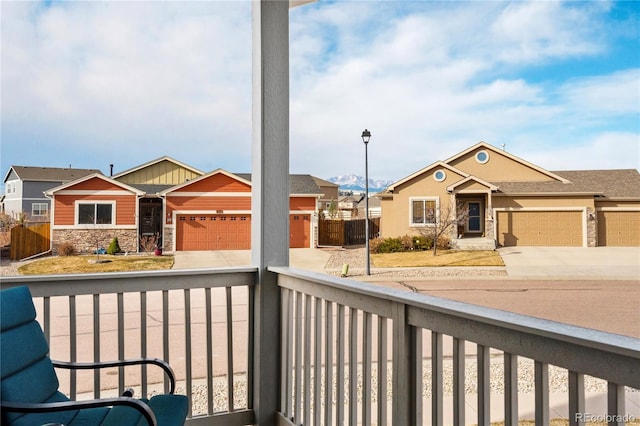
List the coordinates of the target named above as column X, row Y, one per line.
column 504, row 200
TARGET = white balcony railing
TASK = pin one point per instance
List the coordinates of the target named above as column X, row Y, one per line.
column 349, row 352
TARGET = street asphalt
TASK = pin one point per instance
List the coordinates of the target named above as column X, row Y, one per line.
column 606, row 263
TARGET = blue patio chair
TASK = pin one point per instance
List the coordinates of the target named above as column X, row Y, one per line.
column 29, row 386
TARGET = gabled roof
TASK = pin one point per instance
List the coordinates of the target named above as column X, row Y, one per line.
column 508, row 155
column 474, row 179
column 67, row 185
column 391, row 187
column 206, row 176
column 620, row 184
column 156, row 161
column 298, row 184
column 48, row 174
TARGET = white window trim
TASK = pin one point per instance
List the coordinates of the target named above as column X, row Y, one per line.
column 46, row 209
column 423, row 225
column 95, row 225
column 444, row 175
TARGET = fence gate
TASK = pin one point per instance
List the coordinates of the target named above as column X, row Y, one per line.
column 346, row 232
column 29, row 239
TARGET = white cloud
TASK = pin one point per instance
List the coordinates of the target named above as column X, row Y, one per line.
column 427, row 78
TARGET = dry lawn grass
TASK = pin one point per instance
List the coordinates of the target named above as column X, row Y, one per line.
column 563, row 422
column 82, row 264
column 442, row 258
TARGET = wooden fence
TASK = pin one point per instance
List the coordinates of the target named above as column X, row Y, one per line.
column 29, row 239
column 346, row 232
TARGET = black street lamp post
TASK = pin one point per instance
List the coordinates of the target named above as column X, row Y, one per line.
column 366, row 135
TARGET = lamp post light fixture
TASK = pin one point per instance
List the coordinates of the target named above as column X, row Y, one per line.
column 366, row 135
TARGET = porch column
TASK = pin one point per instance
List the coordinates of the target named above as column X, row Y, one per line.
column 269, row 194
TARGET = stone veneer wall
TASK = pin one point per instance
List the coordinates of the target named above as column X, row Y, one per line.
column 592, row 227
column 84, row 240
column 167, row 241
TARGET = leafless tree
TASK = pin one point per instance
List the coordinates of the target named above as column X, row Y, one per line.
column 442, row 223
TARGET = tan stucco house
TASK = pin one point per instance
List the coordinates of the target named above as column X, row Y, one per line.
column 507, row 201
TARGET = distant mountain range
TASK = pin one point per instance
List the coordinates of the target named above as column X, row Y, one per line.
column 357, row 183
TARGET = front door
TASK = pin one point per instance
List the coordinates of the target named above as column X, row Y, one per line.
column 474, row 220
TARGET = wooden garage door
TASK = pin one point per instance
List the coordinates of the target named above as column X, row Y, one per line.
column 213, row 232
column 618, row 228
column 540, row 228
column 300, row 231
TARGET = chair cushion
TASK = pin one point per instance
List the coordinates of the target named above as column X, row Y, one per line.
column 170, row 410
column 16, row 307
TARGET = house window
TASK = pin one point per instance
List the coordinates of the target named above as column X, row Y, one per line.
column 424, row 211
column 10, row 187
column 439, row 175
column 39, row 209
column 95, row 213
column 482, row 156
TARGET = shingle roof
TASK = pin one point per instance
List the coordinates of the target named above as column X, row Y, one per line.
column 51, row 174
column 622, row 183
column 150, row 189
column 298, row 184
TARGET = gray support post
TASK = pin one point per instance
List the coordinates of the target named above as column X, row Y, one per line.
column 270, row 194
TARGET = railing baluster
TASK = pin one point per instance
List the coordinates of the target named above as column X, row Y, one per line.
column 284, row 353
column 437, row 384
column 120, row 315
column 143, row 342
column 165, row 333
column 317, row 362
column 484, row 386
column 366, row 368
column 208, row 314
column 459, row 403
column 541, row 374
column 417, row 372
column 340, row 338
column 306, row 412
column 187, row 346
column 298, row 355
column 73, row 346
column 96, row 344
column 230, row 402
column 328, row 363
column 576, row 399
column 353, row 366
column 616, row 404
column 510, row 390
column 289, row 383
column 382, row 371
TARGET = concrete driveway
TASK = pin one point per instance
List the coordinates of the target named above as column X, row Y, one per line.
column 572, row 262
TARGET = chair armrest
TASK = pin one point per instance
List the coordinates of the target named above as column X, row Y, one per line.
column 49, row 407
column 121, row 363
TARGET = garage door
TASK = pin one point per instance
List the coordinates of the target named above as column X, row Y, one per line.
column 300, row 231
column 618, row 228
column 540, row 228
column 213, row 232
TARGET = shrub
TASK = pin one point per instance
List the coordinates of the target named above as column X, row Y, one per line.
column 407, row 242
column 114, row 247
column 66, row 248
column 444, row 242
column 374, row 244
column 422, row 242
column 390, row 245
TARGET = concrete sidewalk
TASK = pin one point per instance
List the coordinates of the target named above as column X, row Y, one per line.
column 309, row 259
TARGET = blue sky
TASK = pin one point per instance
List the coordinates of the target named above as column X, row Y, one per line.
column 87, row 84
